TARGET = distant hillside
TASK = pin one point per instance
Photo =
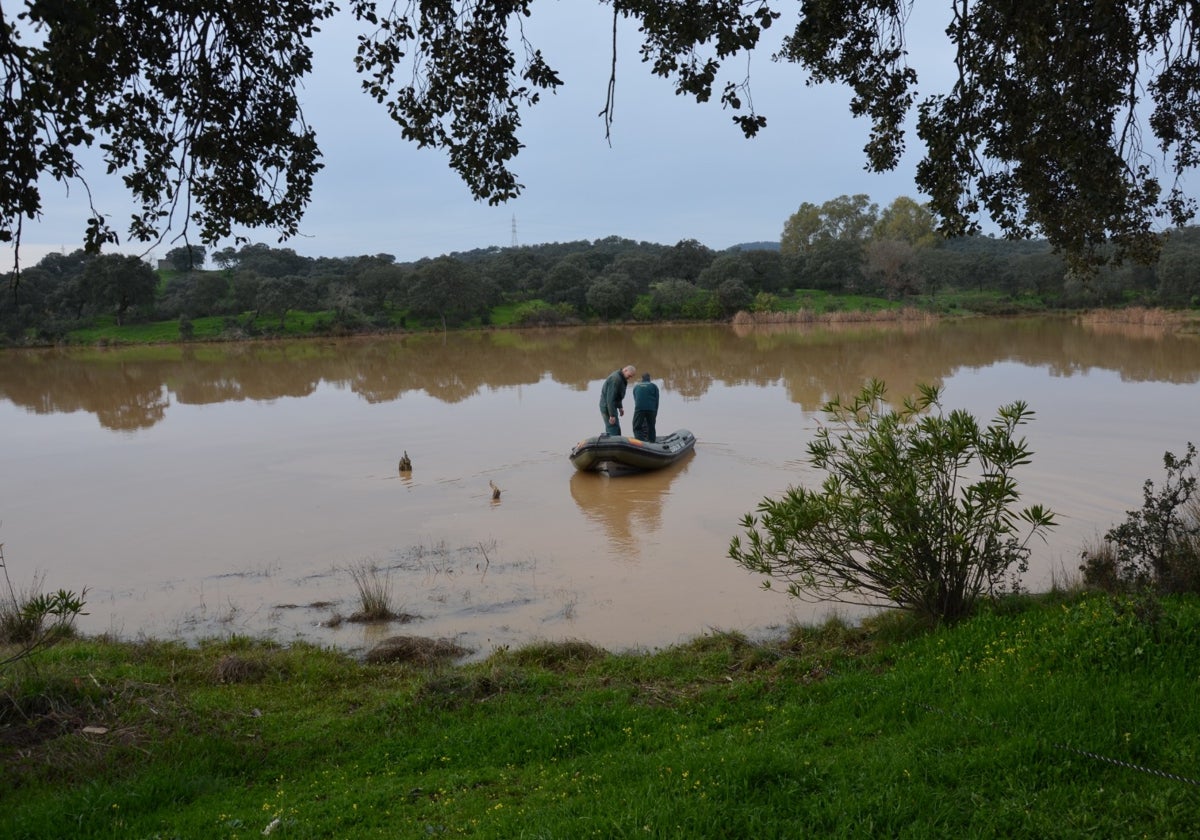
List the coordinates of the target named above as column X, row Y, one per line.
column 755, row 246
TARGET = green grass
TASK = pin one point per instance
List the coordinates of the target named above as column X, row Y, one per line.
column 105, row 329
column 505, row 315
column 298, row 324
column 1062, row 718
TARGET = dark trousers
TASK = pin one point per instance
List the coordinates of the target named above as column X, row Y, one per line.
column 643, row 425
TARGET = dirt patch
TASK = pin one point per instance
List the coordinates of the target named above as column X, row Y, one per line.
column 417, row 650
column 558, row 656
column 388, row 616
column 238, row 669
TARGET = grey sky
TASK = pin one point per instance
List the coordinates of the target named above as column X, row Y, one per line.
column 675, row 169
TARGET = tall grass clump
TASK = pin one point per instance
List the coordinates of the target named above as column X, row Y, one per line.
column 374, row 587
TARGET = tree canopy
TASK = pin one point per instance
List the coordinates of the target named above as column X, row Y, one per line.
column 1075, row 120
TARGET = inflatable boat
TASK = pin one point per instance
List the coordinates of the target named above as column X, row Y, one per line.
column 616, row 453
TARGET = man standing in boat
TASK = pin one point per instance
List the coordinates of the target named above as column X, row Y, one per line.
column 645, row 409
column 612, row 398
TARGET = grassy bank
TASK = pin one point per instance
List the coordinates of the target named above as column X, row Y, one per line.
column 1054, row 717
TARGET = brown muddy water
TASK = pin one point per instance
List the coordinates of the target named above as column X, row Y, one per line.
column 214, row 490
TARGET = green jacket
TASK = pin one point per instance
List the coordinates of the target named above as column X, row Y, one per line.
column 612, row 395
column 645, row 396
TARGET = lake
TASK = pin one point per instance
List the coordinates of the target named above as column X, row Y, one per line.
column 209, row 490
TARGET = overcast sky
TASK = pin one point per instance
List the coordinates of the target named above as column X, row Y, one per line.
column 674, row 170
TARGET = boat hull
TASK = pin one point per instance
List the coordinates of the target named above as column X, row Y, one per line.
column 617, row 453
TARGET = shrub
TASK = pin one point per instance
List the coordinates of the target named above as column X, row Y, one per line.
column 765, row 302
column 897, row 520
column 33, row 619
column 1156, row 549
column 538, row 313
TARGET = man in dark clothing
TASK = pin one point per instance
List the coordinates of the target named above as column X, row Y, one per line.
column 645, row 409
column 612, row 397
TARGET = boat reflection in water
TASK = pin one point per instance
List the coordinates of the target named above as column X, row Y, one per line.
column 627, row 506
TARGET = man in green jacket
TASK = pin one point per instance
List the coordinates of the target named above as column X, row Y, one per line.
column 645, row 409
column 612, row 397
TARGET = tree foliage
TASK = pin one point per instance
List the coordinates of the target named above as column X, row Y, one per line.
column 1074, row 120
column 847, row 218
column 918, row 508
column 904, row 220
column 118, row 283
column 450, row 291
column 1044, row 127
column 607, row 280
column 187, row 257
column 193, row 104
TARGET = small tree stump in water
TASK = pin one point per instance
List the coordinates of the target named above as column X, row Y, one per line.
column 405, row 463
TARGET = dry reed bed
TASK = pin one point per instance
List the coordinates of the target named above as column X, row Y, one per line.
column 807, row 316
column 1136, row 315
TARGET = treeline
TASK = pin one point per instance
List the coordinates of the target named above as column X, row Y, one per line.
column 843, row 247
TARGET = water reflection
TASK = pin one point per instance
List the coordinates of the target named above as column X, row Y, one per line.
column 246, row 475
column 628, row 507
column 131, row 389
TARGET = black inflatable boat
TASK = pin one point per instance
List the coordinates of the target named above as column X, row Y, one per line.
column 609, row 453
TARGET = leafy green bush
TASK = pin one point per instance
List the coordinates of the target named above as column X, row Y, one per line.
column 765, row 302
column 1156, row 549
column 898, row 520
column 538, row 313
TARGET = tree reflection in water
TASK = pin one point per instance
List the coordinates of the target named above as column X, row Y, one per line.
column 282, row 456
column 132, row 388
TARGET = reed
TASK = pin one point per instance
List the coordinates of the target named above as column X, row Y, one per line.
column 374, row 587
column 905, row 314
column 1135, row 315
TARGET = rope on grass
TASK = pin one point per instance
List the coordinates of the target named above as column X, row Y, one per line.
column 1162, row 774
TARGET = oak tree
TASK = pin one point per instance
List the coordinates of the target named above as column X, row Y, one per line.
column 1073, row 120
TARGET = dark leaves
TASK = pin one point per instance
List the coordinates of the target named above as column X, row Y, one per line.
column 194, row 104
column 464, row 91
